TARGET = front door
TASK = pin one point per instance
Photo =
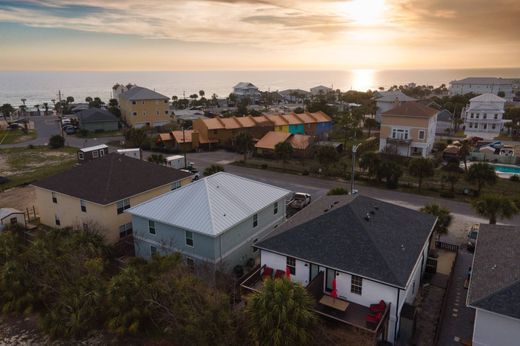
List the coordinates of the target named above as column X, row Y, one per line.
column 315, row 270
column 330, row 274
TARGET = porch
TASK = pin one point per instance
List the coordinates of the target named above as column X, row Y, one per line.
column 336, row 309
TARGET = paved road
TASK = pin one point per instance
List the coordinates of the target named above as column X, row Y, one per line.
column 47, row 126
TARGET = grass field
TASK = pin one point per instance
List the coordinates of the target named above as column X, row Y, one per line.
column 16, row 136
column 24, row 165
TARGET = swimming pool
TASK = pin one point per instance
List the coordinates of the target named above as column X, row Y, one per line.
column 507, row 169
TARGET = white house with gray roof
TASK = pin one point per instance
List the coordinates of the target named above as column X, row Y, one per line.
column 214, row 220
column 494, row 289
column 246, row 90
column 374, row 250
column 483, row 85
column 483, row 117
column 386, row 100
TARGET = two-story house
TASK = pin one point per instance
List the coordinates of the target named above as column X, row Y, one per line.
column 246, row 90
column 96, row 193
column 483, row 116
column 212, row 222
column 494, row 288
column 386, row 100
column 144, row 107
column 351, row 252
column 408, row 129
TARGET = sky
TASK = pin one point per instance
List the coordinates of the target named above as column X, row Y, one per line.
column 131, row 35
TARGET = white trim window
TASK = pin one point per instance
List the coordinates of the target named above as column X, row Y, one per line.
column 95, row 154
column 83, row 205
column 81, row 156
column 422, row 134
column 57, row 220
column 123, row 205
column 153, row 250
column 255, row 220
column 356, row 285
column 101, row 153
column 291, row 264
column 125, row 230
column 189, row 238
column 54, row 197
column 400, row 133
column 151, row 226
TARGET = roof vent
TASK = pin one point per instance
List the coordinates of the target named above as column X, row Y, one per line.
column 376, row 207
column 372, row 212
column 325, row 210
column 367, row 217
column 402, row 247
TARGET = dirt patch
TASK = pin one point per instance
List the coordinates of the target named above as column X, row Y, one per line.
column 18, row 198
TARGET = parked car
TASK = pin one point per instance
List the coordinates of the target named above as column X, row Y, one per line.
column 191, row 169
column 300, row 200
column 70, row 130
column 472, row 237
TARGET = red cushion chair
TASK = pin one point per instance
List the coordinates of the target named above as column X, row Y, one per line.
column 379, row 307
column 279, row 274
column 268, row 273
column 373, row 319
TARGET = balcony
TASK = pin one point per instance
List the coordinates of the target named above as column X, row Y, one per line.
column 337, row 309
column 398, row 141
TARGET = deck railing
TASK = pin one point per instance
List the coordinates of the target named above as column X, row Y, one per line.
column 446, row 246
column 251, row 280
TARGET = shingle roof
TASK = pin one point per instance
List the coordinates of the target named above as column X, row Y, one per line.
column 392, row 96
column 384, row 248
column 111, row 178
column 96, row 115
column 487, row 98
column 210, row 205
column 482, row 80
column 445, row 115
column 411, row 109
column 139, row 93
column 495, row 276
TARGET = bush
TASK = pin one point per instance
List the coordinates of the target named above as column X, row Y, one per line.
column 238, row 270
column 56, row 142
column 447, row 194
column 30, row 146
column 264, row 166
column 337, row 191
column 515, row 178
column 305, row 172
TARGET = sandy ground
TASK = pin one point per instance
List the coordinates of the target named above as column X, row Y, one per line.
column 18, row 198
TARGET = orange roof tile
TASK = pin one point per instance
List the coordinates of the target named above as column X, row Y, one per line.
column 213, row 123
column 246, row 121
column 262, row 120
column 277, row 120
column 291, row 119
column 230, row 123
column 320, row 117
column 180, row 138
column 272, row 138
column 165, row 136
column 306, row 118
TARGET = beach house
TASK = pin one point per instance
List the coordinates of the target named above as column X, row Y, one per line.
column 144, row 107
column 483, row 116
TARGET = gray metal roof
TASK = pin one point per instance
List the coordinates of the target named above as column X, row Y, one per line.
column 495, row 277
column 487, row 98
column 139, row 93
column 483, row 80
column 445, row 115
column 96, row 115
column 211, row 205
column 334, row 232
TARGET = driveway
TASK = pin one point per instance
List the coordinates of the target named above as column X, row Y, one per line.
column 48, row 126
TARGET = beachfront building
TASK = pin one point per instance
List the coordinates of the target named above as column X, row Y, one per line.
column 320, row 90
column 483, row 116
column 367, row 250
column 494, row 289
column 483, row 85
column 212, row 222
column 246, row 90
column 386, row 100
column 144, row 107
column 408, row 129
column 294, row 95
column 95, row 195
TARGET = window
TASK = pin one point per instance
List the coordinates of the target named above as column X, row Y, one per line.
column 95, row 154
column 357, row 284
column 151, row 226
column 275, row 208
column 134, row 113
column 190, row 263
column 54, row 198
column 153, row 250
column 57, row 220
column 478, row 115
column 472, row 115
column 399, row 134
column 255, row 220
column 485, row 126
column 215, row 132
column 176, row 185
column 421, row 134
column 133, row 102
column 125, row 230
column 144, row 113
column 80, row 155
column 496, row 116
column 157, row 112
column 101, row 153
column 485, row 116
column 189, row 238
column 493, row 126
column 470, row 125
column 291, row 264
column 123, row 205
column 165, row 101
column 165, row 112
column 83, row 205
column 13, row 221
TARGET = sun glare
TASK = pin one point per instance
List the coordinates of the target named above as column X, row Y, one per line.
column 364, row 12
column 363, row 79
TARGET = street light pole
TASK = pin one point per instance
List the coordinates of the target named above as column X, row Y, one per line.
column 184, row 147
column 354, row 150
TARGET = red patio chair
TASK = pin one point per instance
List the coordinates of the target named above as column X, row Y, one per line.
column 379, row 307
column 373, row 319
column 268, row 273
column 279, row 274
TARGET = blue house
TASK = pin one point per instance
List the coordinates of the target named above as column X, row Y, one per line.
column 212, row 222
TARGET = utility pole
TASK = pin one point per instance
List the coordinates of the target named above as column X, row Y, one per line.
column 184, row 147
column 354, row 150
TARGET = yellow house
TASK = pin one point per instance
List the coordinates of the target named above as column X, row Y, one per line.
column 408, row 129
column 144, row 107
column 96, row 194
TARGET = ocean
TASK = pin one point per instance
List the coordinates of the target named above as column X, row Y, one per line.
column 43, row 86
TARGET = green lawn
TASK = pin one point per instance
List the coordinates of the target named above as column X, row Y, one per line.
column 16, row 136
column 24, row 165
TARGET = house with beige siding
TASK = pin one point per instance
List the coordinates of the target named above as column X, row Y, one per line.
column 408, row 129
column 95, row 195
column 144, row 107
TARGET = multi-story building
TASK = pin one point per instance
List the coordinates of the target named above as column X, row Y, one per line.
column 96, row 194
column 408, row 129
column 386, row 100
column 144, row 107
column 483, row 116
column 320, row 90
column 483, row 85
column 246, row 90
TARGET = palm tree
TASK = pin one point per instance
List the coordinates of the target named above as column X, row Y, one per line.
column 444, row 217
column 281, row 314
column 450, row 179
column 482, row 174
column 465, row 150
column 493, row 206
column 244, row 143
column 420, row 168
column 370, row 161
column 283, row 151
column 201, row 93
column 370, row 123
column 46, row 107
column 6, row 110
column 38, row 109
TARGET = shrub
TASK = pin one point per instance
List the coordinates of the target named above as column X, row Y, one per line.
column 212, row 170
column 238, row 270
column 447, row 194
column 264, row 166
column 337, row 191
column 56, row 142
column 515, row 178
column 30, row 146
column 305, row 172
